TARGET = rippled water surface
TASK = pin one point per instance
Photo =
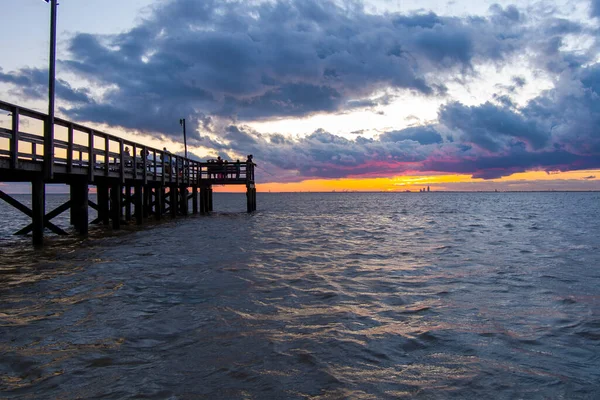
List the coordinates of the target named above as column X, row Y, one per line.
column 329, row 296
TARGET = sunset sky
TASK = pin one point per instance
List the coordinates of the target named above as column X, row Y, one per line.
column 374, row 95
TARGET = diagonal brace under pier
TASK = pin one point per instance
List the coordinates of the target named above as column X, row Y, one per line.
column 27, row 211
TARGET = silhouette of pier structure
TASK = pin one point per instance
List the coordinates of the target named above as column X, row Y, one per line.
column 134, row 186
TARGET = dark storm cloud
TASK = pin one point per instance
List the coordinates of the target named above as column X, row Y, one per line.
column 33, row 84
column 491, row 127
column 556, row 131
column 258, row 60
column 595, row 8
column 421, row 134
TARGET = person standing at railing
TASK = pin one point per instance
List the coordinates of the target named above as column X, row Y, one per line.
column 237, row 169
column 220, row 167
column 127, row 157
column 250, row 168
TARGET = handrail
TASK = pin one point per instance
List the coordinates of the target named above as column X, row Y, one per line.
column 171, row 168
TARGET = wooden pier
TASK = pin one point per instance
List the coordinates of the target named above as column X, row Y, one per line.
column 143, row 183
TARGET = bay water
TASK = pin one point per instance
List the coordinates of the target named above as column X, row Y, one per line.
column 321, row 296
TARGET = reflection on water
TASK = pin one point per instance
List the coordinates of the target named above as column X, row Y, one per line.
column 315, row 295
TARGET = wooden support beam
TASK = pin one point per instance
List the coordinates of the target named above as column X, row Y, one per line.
column 128, row 201
column 250, row 197
column 146, row 207
column 38, row 209
column 254, row 197
column 27, row 211
column 183, row 197
column 195, row 199
column 158, row 200
column 16, row 204
column 174, row 204
column 116, row 207
column 210, row 198
column 202, row 200
column 79, row 207
column 47, row 218
column 103, row 203
column 139, row 203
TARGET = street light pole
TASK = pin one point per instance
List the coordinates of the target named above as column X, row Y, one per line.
column 49, row 127
column 182, row 123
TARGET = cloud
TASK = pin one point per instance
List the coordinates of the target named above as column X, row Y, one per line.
column 260, row 60
column 221, row 64
column 32, row 83
column 595, row 8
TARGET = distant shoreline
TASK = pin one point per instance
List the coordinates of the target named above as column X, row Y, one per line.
column 382, row 192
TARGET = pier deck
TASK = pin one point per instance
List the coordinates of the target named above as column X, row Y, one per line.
column 81, row 157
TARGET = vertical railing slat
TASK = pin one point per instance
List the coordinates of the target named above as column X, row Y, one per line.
column 163, row 156
column 145, row 164
column 122, row 162
column 91, row 156
column 70, row 149
column 134, row 164
column 14, row 142
column 106, row 154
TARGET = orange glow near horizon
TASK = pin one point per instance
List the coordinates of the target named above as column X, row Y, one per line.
column 526, row 180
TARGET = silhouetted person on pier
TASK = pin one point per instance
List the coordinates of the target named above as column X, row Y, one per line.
column 219, row 167
column 237, row 169
column 127, row 157
column 250, row 167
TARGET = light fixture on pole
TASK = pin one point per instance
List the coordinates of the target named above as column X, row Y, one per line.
column 182, row 123
column 49, row 127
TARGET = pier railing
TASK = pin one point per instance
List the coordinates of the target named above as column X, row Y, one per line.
column 79, row 150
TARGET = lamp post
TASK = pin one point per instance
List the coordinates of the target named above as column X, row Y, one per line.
column 49, row 127
column 182, row 123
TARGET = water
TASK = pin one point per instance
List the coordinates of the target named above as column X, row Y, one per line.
column 327, row 296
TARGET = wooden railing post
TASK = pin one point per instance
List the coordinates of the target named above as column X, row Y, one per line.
column 122, row 162
column 162, row 157
column 134, row 164
column 14, row 142
column 48, row 148
column 154, row 154
column 106, row 154
column 145, row 164
column 70, row 149
column 91, row 156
